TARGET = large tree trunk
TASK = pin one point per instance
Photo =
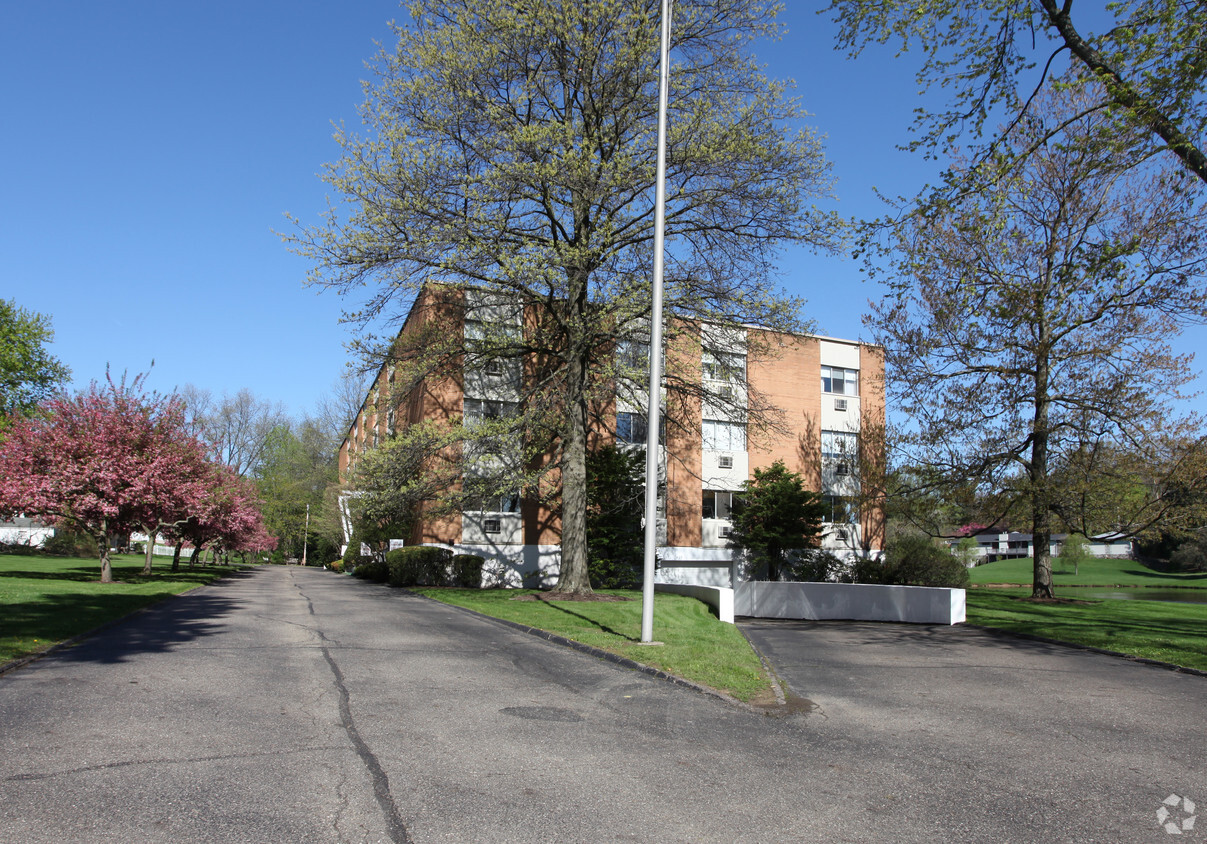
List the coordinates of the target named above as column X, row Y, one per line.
column 194, row 555
column 176, row 555
column 150, row 551
column 102, row 541
column 573, row 575
column 1041, row 509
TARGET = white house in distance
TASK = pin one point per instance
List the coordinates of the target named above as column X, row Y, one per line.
column 1000, row 545
column 23, row 531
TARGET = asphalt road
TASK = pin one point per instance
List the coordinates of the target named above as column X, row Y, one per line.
column 295, row 705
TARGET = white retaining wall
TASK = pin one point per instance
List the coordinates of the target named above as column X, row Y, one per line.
column 852, row 601
column 717, row 597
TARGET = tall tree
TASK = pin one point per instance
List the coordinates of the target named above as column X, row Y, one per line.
column 29, row 374
column 511, row 149
column 1145, row 61
column 297, row 466
column 238, row 428
column 1034, row 316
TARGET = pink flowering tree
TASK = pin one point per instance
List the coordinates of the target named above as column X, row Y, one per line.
column 176, row 474
column 229, row 516
column 105, row 461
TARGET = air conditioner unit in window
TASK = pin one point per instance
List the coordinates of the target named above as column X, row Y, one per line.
column 841, row 535
column 725, row 461
column 840, row 404
column 494, row 367
column 842, row 469
column 724, row 531
column 492, row 525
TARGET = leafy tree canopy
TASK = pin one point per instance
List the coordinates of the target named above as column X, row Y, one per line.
column 1027, row 326
column 1144, row 61
column 29, row 374
column 510, row 149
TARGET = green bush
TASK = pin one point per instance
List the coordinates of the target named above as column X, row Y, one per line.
column 916, row 560
column 467, row 570
column 69, row 543
column 866, row 570
column 370, row 568
column 419, row 565
column 815, row 565
column 1191, row 556
column 352, row 552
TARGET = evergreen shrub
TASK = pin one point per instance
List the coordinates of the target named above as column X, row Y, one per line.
column 467, row 570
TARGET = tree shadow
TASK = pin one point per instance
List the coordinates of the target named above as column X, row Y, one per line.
column 557, row 605
column 114, row 629
column 1179, row 576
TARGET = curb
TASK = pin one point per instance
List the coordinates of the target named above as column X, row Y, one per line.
column 616, row 659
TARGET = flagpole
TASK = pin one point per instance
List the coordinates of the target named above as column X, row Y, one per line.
column 653, row 414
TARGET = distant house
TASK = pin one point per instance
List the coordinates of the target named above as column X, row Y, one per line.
column 23, row 531
column 999, row 545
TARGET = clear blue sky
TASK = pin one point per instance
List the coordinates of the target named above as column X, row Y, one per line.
column 152, row 148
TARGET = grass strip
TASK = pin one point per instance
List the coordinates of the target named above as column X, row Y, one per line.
column 696, row 645
column 45, row 600
column 1097, row 572
column 1168, row 632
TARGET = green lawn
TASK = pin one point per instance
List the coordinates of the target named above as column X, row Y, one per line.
column 44, row 600
column 1096, row 572
column 696, row 645
column 1173, row 633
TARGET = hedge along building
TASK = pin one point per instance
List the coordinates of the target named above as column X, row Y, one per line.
column 735, row 399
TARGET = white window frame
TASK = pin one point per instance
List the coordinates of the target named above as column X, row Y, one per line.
column 723, row 435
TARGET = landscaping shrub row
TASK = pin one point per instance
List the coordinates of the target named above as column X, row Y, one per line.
column 420, row 565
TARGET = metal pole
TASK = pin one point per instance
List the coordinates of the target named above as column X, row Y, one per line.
column 653, row 414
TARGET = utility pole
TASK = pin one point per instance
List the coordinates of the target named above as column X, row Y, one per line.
column 653, row 414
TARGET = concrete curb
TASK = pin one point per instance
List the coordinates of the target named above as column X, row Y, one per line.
column 616, row 659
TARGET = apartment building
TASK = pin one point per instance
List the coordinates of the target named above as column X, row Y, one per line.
column 818, row 398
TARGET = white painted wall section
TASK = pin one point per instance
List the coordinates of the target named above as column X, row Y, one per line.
column 851, row 601
column 718, row 597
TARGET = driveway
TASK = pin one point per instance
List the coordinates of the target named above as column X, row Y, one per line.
column 295, row 705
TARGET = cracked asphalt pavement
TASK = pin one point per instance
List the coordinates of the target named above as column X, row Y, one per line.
column 296, row 705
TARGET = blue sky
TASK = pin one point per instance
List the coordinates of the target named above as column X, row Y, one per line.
column 153, row 148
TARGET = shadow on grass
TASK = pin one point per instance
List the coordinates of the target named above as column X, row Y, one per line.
column 1177, row 576
column 121, row 574
column 122, row 637
column 557, row 605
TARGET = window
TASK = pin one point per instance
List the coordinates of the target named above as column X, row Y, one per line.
column 725, row 461
column 725, row 366
column 839, row 446
column 477, row 410
column 839, row 509
column 724, row 436
column 633, row 355
column 843, row 382
column 718, row 504
column 631, row 428
column 492, row 525
column 494, row 366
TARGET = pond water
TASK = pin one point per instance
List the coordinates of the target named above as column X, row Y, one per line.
column 1176, row 596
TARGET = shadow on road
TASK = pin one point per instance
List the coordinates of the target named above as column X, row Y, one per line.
column 182, row 619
